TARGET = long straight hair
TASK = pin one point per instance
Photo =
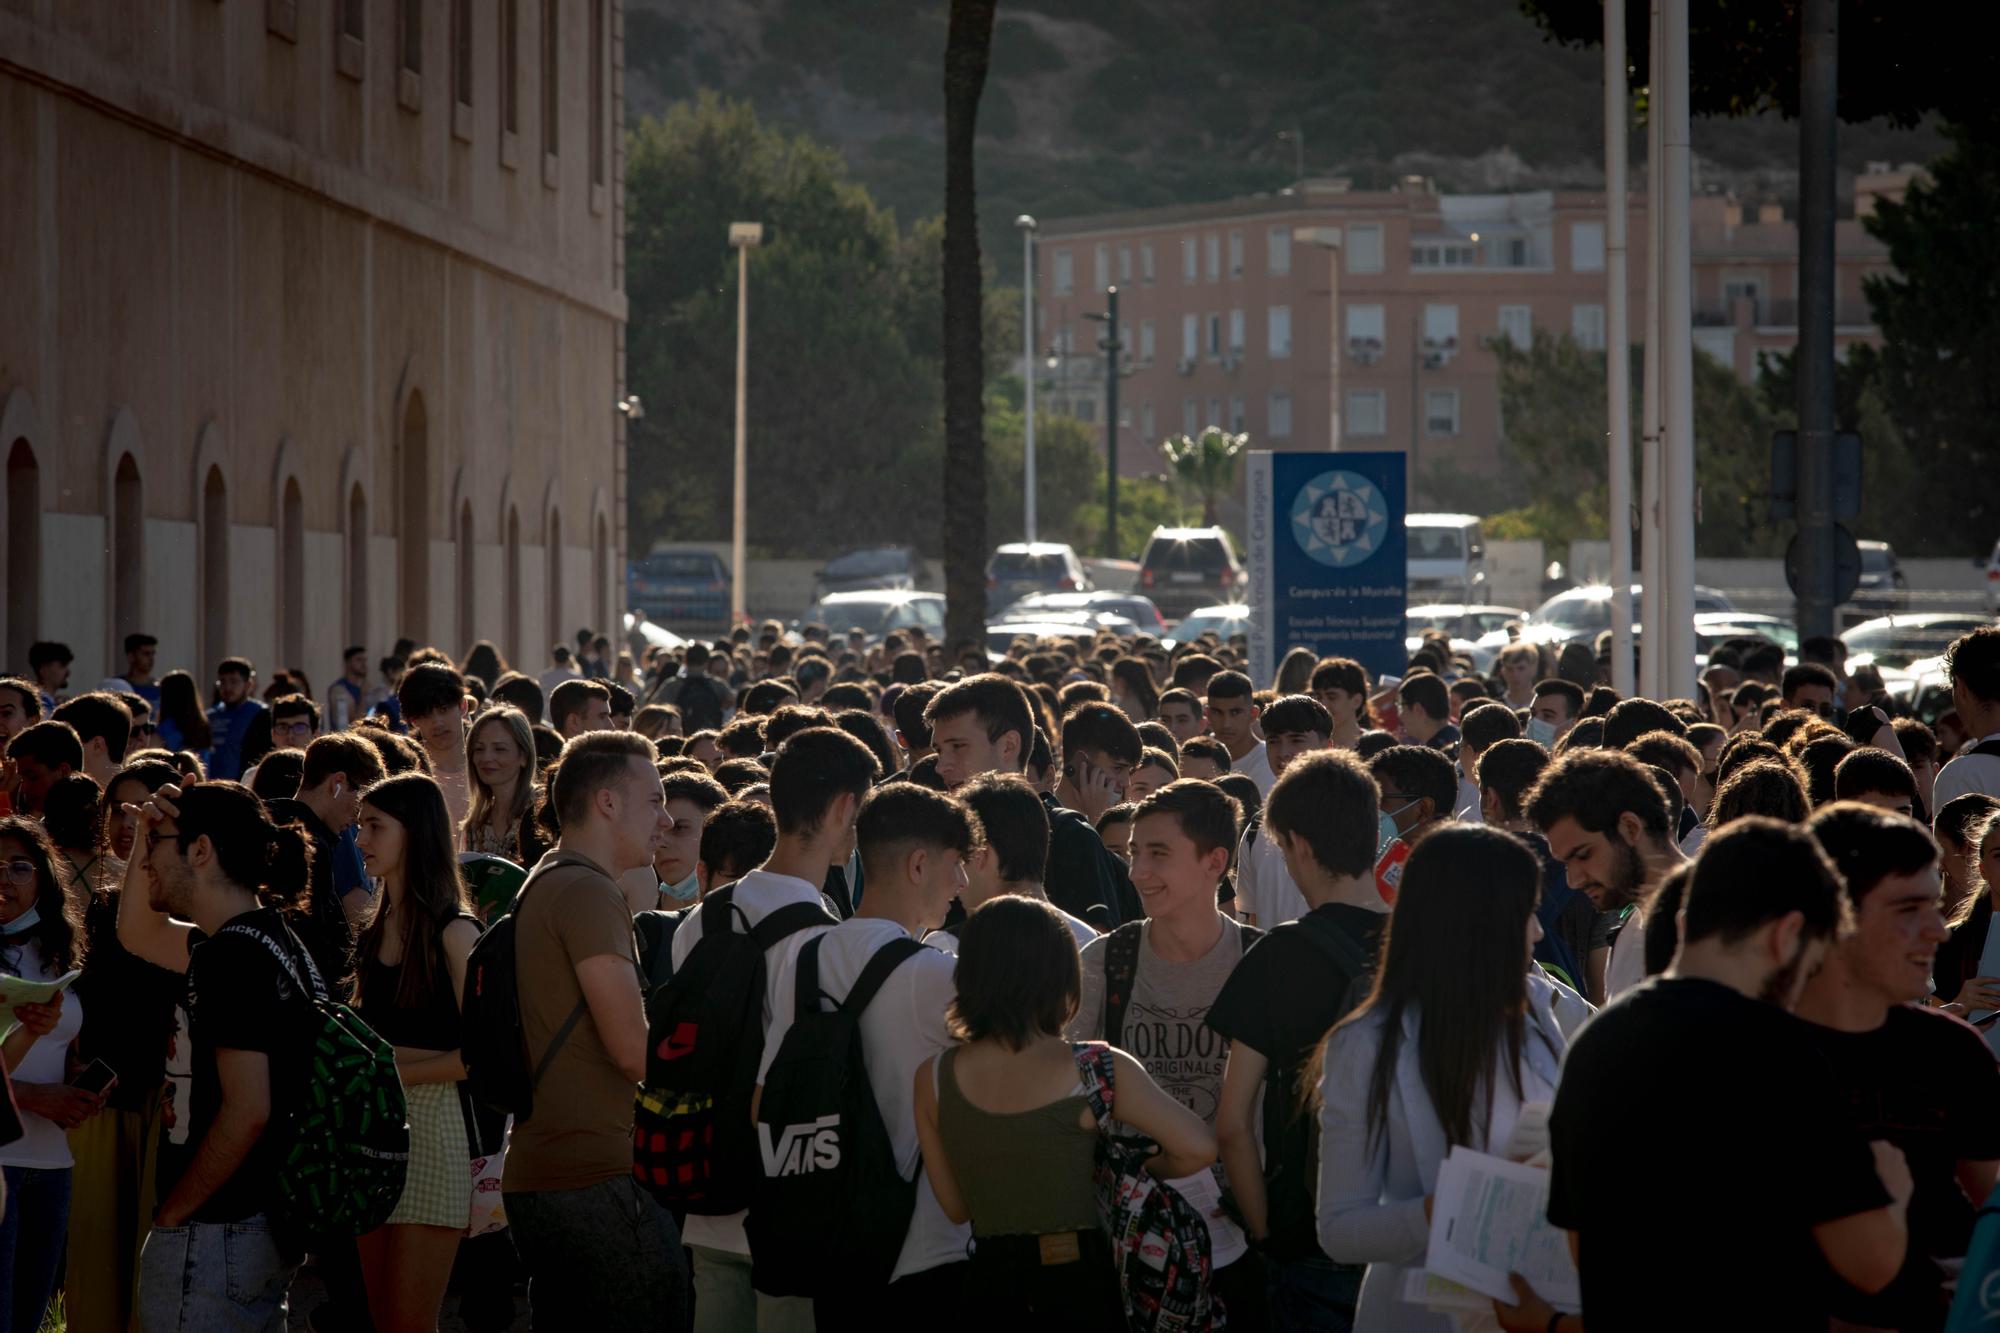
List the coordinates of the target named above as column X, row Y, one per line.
column 432, row 886
column 1456, row 950
column 480, row 809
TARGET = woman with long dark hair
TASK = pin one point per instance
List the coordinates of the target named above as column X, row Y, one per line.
column 72, row 816
column 484, row 661
column 41, row 939
column 183, row 721
column 1456, row 1036
column 1295, row 672
column 411, row 960
column 1132, row 689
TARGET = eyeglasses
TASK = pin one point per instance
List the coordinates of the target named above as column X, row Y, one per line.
column 20, row 872
column 156, row 836
column 299, row 728
column 144, row 729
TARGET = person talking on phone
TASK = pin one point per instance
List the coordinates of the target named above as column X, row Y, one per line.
column 1100, row 748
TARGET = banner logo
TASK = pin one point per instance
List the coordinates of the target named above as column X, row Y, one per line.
column 1339, row 519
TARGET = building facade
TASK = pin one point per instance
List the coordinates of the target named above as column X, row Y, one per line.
column 1278, row 314
column 316, row 327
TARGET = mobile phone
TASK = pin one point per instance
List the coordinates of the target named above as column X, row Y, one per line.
column 96, row 1078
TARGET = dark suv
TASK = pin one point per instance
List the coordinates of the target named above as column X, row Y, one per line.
column 1187, row 568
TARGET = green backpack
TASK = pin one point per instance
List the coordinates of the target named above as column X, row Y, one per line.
column 342, row 1145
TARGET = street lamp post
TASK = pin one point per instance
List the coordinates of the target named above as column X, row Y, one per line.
column 743, row 238
column 1328, row 239
column 1027, row 226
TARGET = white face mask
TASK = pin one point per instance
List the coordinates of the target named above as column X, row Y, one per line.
column 1542, row 732
column 684, row 892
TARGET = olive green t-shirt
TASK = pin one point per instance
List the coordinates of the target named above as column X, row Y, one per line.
column 581, row 1131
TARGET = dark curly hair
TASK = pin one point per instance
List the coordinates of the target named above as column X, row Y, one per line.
column 58, row 935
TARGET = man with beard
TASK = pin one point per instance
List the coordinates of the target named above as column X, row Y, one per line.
column 1609, row 825
column 1683, row 1211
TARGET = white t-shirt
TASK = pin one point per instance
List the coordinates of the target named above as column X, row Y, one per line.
column 946, row 942
column 757, row 895
column 1967, row 773
column 901, row 1029
column 1257, row 767
column 555, row 676
column 1466, row 808
column 1264, row 888
column 1627, row 967
column 1693, row 841
column 42, row 1143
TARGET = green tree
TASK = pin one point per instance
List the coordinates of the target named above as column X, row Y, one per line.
column 1144, row 503
column 1205, row 465
column 1068, row 472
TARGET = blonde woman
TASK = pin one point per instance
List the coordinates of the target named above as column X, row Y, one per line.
column 500, row 759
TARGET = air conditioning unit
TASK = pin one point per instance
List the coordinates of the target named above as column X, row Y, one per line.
column 1184, row 367
column 1364, row 351
column 1434, row 360
column 1230, row 363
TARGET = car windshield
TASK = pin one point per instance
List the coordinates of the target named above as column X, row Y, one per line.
column 1900, row 644
column 1577, row 613
column 1201, row 555
column 875, row 618
column 861, row 564
column 680, row 565
column 1435, row 543
column 1044, row 566
column 1875, row 560
column 1221, row 626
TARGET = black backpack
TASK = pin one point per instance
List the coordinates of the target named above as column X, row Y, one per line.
column 693, row 1144
column 654, row 933
column 493, row 1042
column 696, row 697
column 823, row 1149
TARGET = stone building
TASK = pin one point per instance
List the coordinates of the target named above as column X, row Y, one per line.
column 315, row 326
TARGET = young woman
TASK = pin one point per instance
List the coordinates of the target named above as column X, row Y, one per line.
column 500, row 754
column 1132, row 689
column 1455, row 1038
column 484, row 661
column 1295, row 672
column 411, row 963
column 1156, row 768
column 1968, row 838
column 1008, row 1136
column 41, row 938
column 73, row 818
column 183, row 721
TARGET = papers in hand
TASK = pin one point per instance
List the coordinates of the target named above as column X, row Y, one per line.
column 1226, row 1241
column 15, row 990
column 1489, row 1219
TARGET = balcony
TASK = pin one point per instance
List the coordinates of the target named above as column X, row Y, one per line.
column 1364, row 351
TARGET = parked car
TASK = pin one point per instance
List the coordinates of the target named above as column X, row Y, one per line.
column 1021, row 568
column 1714, row 628
column 1993, row 581
column 1883, row 590
column 680, row 585
column 1225, row 622
column 1445, row 557
column 876, row 611
column 1897, row 641
column 871, row 569
column 1185, row 568
column 1460, row 621
column 1078, row 625
column 1580, row 614
column 1141, row 611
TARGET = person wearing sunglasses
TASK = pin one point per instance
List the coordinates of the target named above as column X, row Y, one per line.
column 1812, row 687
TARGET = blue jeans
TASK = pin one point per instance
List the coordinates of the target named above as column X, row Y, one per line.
column 215, row 1276
column 32, row 1231
column 1312, row 1295
column 605, row 1257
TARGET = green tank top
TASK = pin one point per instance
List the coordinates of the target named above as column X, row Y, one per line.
column 1023, row 1173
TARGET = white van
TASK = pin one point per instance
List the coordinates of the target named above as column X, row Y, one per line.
column 1446, row 559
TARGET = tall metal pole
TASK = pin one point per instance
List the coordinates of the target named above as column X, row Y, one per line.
column 1617, row 348
column 1111, row 424
column 738, row 573
column 1677, row 383
column 1819, row 50
column 1651, row 559
column 1027, row 226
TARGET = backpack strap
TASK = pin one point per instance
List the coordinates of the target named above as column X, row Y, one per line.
column 1095, row 1070
column 1121, row 969
column 562, row 1034
column 886, row 960
column 1989, row 748
column 291, row 955
column 786, row 922
column 716, row 908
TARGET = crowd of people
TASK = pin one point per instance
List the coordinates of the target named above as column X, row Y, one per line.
column 850, row 982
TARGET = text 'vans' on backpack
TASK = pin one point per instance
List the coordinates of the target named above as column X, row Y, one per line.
column 343, row 1132
column 693, row 1144
column 823, row 1149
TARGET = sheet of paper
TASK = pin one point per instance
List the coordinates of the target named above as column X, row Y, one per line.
column 16, row 990
column 1489, row 1220
column 1226, row 1241
column 1425, row 1288
column 1530, row 1138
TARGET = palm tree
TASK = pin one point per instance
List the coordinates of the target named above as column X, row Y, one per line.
column 1206, row 465
column 967, row 52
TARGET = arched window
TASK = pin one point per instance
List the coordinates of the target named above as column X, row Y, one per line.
column 512, row 607
column 292, row 575
column 556, row 632
column 414, row 526
column 600, row 577
column 128, row 555
column 24, row 552
column 468, row 628
column 214, row 568
column 357, row 565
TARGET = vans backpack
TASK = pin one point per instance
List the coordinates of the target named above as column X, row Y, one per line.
column 823, row 1149
column 493, row 1041
column 693, row 1144
column 1159, row 1241
column 342, row 1145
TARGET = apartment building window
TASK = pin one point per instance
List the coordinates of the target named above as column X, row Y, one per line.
column 1124, row 263
column 1367, row 413
column 1146, row 340
column 1278, row 249
column 1065, row 274
column 1236, row 340
column 1146, row 423
column 1236, row 418
column 1146, row 262
column 599, row 110
column 1086, row 409
column 1586, row 325
column 551, row 73
column 1213, row 245
column 1281, row 414
column 1367, row 324
column 1519, row 252
column 1279, row 330
column 1517, row 325
column 1364, row 247
column 1125, row 418
column 1215, row 417
column 1190, row 337
column 1100, row 270
column 1235, row 254
column 354, row 19
column 1441, row 327
column 1214, row 334
column 350, row 31
column 1441, row 412
column 1586, row 247
column 461, row 52
column 1190, row 416
column 410, row 36
column 510, row 75
column 1189, row 260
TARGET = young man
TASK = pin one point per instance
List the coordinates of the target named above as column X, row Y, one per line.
column 434, row 704
column 1232, row 719
column 1013, row 852
column 736, row 839
column 20, row 706
column 347, row 697
column 1423, row 709
column 1300, row 980
column 294, row 721
column 1181, row 954
column 1878, row 778
column 702, row 700
column 1973, row 664
column 1557, row 706
column 1679, row 760
column 1265, row 894
column 577, row 706
column 691, row 798
column 1576, row 943
column 913, row 844
column 207, row 863
column 1204, row 757
column 913, row 734
column 1419, row 787
column 817, row 784
column 599, row 1251
column 983, row 724
column 104, row 724
column 1482, row 726
column 1181, row 713
column 1812, row 687
column 48, row 663
column 1746, row 1220
column 1608, row 823
column 37, row 759
column 521, row 692
column 141, row 650
column 1341, row 686
column 1517, row 666
column 1913, row 1076
column 334, row 773
column 230, row 720
column 1100, row 748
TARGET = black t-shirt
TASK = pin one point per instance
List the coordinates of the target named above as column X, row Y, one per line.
column 323, row 926
column 239, row 997
column 1927, row 1083
column 1084, row 878
column 128, row 1009
column 1699, row 1136
column 1292, row 985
